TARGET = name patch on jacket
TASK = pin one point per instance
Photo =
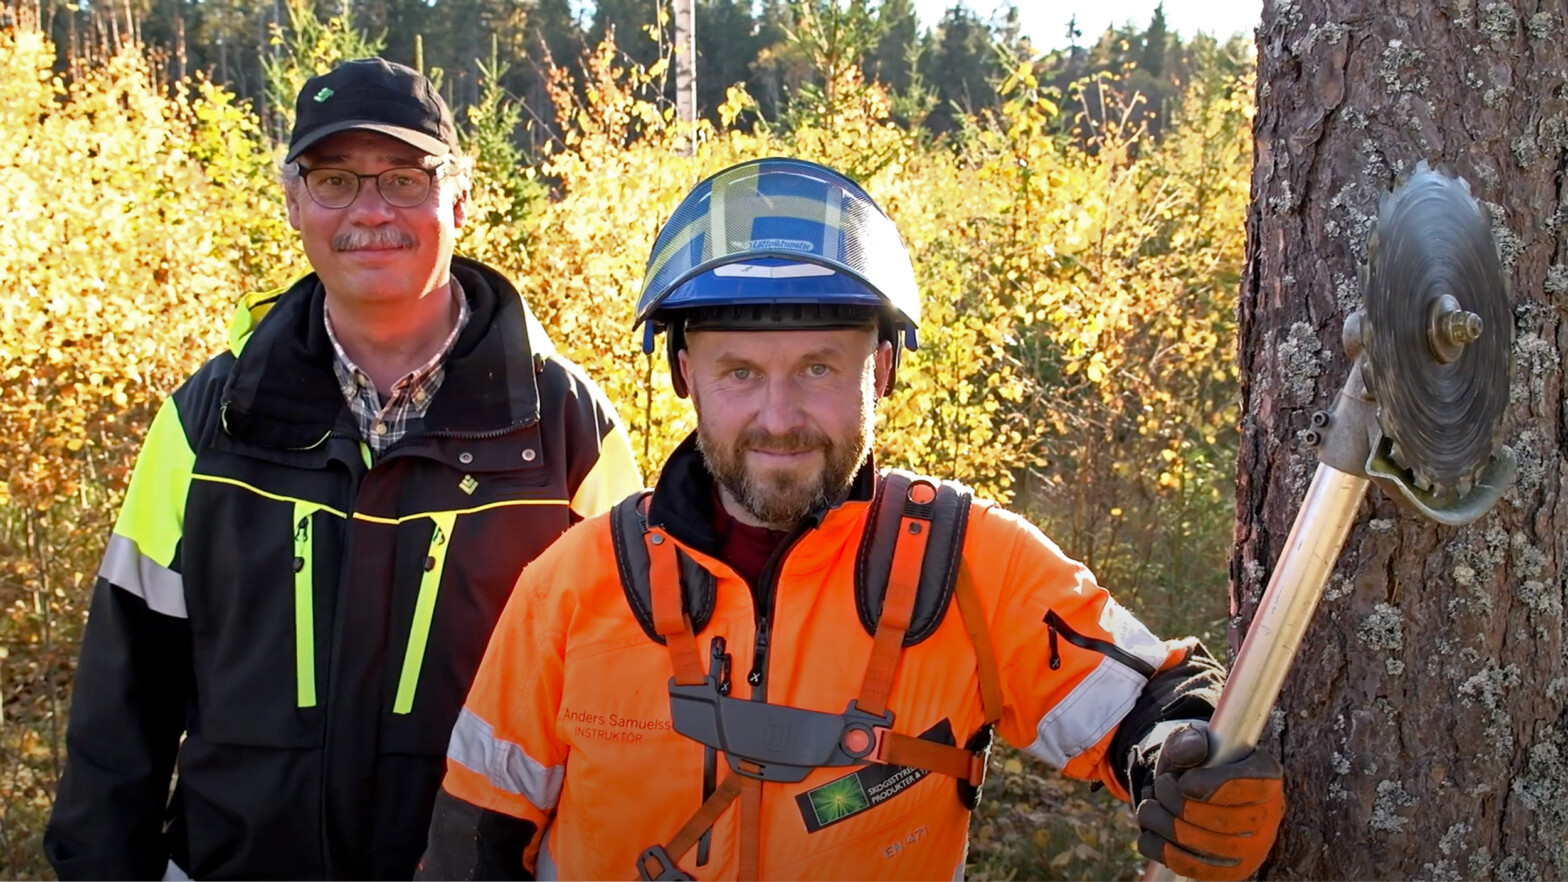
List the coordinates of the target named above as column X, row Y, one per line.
column 612, row 727
column 843, row 798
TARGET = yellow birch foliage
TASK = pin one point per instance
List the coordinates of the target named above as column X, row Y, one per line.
column 131, row 222
column 1124, row 256
column 127, row 237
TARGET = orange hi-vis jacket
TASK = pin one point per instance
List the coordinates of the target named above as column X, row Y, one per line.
column 567, row 732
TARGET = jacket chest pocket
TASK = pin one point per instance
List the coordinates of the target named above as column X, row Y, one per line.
column 261, row 622
column 432, row 569
column 467, row 565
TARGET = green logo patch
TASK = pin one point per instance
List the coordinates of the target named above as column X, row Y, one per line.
column 837, row 800
column 865, row 789
column 323, row 95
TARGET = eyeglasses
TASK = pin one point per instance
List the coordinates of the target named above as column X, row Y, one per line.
column 400, row 187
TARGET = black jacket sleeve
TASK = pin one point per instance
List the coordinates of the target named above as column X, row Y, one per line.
column 468, row 842
column 134, row 680
column 127, row 715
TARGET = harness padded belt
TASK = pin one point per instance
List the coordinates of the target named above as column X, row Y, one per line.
column 911, row 517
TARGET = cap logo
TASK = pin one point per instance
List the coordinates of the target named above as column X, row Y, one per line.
column 775, row 245
column 323, row 95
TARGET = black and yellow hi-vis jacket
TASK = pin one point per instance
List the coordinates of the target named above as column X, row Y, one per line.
column 307, row 620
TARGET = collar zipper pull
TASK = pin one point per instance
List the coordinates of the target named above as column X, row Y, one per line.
column 760, row 657
column 720, row 666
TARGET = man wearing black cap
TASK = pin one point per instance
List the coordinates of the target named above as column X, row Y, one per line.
column 323, row 525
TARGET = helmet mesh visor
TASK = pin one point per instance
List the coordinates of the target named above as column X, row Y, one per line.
column 781, row 208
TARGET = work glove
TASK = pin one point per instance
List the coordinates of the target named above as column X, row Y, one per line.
column 1217, row 822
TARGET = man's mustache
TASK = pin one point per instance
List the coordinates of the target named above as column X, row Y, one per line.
column 381, row 237
column 793, row 441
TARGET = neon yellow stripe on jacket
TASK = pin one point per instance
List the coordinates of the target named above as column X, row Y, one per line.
column 374, row 519
column 614, row 476
column 424, row 610
column 248, row 312
column 305, row 601
column 153, row 514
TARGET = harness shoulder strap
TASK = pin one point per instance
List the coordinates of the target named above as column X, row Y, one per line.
column 945, row 514
column 628, row 533
column 895, row 556
column 926, row 558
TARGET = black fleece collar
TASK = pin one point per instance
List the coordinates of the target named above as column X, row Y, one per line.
column 282, row 391
column 683, row 498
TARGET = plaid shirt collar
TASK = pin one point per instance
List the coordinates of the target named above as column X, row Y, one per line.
column 384, row 423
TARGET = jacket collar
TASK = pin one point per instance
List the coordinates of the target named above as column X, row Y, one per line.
column 282, row 391
column 683, row 498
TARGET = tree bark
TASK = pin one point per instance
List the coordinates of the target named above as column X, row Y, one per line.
column 1423, row 726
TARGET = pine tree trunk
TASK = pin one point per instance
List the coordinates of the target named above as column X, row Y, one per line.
column 1423, row 727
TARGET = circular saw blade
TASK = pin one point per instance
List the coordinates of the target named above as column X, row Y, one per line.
column 1439, row 331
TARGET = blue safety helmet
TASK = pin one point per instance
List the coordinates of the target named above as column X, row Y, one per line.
column 777, row 243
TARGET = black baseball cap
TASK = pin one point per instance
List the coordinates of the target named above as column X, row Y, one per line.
column 373, row 95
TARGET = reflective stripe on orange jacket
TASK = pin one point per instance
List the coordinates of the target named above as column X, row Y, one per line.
column 568, row 722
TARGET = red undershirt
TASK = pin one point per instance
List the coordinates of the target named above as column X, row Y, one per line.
column 742, row 546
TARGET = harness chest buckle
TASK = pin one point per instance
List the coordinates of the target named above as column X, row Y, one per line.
column 773, row 742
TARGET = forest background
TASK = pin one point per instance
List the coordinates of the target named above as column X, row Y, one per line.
column 1075, row 219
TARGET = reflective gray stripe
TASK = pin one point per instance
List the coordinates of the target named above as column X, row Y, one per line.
column 545, row 869
column 124, row 565
column 1130, row 634
column 1093, row 708
column 504, row 764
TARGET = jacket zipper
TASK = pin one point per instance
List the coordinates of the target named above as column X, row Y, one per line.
column 767, row 594
column 468, row 436
column 1055, row 623
column 223, row 418
column 356, row 476
column 462, row 436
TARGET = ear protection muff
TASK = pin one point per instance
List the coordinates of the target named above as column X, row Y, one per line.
column 674, row 342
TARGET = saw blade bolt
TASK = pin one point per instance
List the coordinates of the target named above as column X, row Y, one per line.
column 1463, row 327
column 1320, row 419
column 1451, row 328
column 1311, row 438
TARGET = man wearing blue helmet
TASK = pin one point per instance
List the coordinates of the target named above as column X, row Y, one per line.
column 785, row 663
